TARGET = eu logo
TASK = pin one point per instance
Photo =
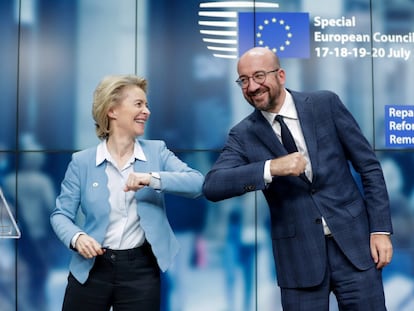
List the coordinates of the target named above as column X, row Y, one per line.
column 286, row 34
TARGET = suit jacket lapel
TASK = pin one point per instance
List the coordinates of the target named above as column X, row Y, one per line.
column 142, row 167
column 305, row 111
column 265, row 133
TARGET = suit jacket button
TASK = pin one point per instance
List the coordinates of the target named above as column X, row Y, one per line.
column 318, row 221
column 250, row 188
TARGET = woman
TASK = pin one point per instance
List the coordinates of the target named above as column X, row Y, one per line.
column 117, row 187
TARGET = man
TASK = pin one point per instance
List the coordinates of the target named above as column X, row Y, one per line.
column 327, row 235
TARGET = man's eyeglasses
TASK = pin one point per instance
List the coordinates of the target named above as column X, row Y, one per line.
column 259, row 77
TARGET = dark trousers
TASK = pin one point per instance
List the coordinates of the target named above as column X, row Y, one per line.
column 127, row 280
column 355, row 290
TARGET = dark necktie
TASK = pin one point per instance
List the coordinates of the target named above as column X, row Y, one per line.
column 287, row 138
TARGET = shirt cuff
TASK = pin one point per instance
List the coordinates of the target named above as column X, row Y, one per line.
column 267, row 176
column 75, row 238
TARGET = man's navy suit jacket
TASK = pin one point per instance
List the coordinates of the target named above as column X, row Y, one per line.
column 334, row 141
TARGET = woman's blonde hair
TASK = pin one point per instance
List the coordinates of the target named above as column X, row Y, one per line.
column 108, row 94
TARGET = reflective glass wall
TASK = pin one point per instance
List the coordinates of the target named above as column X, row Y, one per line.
column 53, row 54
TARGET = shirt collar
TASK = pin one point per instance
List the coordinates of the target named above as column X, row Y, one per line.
column 288, row 110
column 103, row 154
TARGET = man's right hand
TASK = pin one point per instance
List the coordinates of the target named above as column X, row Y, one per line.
column 292, row 164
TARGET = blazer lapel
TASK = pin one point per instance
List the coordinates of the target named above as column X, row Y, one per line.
column 305, row 111
column 265, row 133
column 142, row 167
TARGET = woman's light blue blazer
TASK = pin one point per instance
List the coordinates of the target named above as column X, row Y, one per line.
column 84, row 189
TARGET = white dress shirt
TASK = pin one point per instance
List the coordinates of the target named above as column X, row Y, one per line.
column 124, row 230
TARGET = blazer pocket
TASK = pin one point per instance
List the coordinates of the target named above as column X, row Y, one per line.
column 355, row 208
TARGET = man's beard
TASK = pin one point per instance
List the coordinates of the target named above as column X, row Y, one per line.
column 269, row 105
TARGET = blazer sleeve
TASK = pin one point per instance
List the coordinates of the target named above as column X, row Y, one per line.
column 233, row 174
column 363, row 159
column 63, row 217
column 177, row 177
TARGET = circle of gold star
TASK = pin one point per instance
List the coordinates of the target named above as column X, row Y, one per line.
column 268, row 22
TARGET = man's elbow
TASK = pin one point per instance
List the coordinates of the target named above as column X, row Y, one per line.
column 211, row 191
column 209, row 194
column 214, row 193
